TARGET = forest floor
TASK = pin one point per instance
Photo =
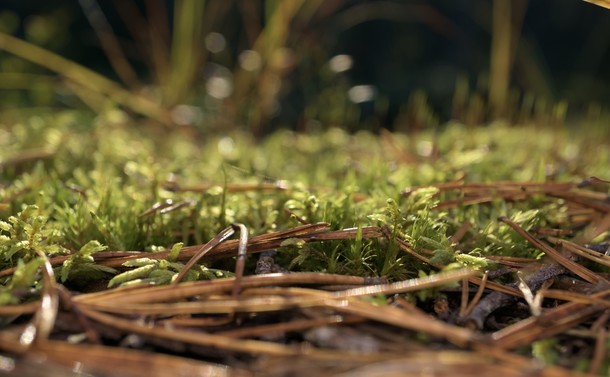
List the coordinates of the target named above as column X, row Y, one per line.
column 460, row 251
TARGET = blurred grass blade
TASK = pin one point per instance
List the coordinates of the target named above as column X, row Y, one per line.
column 84, row 77
column 185, row 57
column 501, row 56
column 109, row 42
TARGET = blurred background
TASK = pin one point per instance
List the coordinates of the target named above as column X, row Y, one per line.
column 307, row 65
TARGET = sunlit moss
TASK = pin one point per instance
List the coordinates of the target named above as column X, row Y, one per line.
column 99, row 180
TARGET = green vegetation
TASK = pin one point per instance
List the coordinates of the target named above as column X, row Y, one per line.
column 78, row 191
column 135, row 205
column 72, row 190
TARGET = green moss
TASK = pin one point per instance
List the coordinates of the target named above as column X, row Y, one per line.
column 73, row 184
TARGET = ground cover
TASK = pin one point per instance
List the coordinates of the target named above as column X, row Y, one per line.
column 460, row 249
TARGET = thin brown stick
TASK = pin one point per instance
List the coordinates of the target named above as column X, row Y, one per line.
column 499, row 299
column 435, row 280
column 551, row 322
column 203, row 250
column 276, row 300
column 113, row 361
column 66, row 298
column 580, row 298
column 230, row 187
column 19, row 309
column 165, row 293
column 477, row 186
column 198, row 338
column 477, row 296
column 582, row 251
column 240, row 263
column 576, row 268
column 189, row 321
column 399, row 318
column 595, row 204
column 298, row 325
column 40, row 328
column 464, row 298
column 224, row 342
column 461, row 232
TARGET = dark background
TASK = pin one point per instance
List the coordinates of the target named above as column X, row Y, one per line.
column 397, row 46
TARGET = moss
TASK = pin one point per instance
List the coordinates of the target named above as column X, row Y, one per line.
column 116, row 187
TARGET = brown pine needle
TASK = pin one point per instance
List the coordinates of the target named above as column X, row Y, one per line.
column 113, row 361
column 297, row 325
column 407, row 285
column 240, row 263
column 576, row 268
column 40, row 328
column 464, row 298
column 477, row 296
column 201, row 314
column 551, row 322
column 223, row 235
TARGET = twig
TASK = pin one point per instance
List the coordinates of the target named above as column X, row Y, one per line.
column 497, row 300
